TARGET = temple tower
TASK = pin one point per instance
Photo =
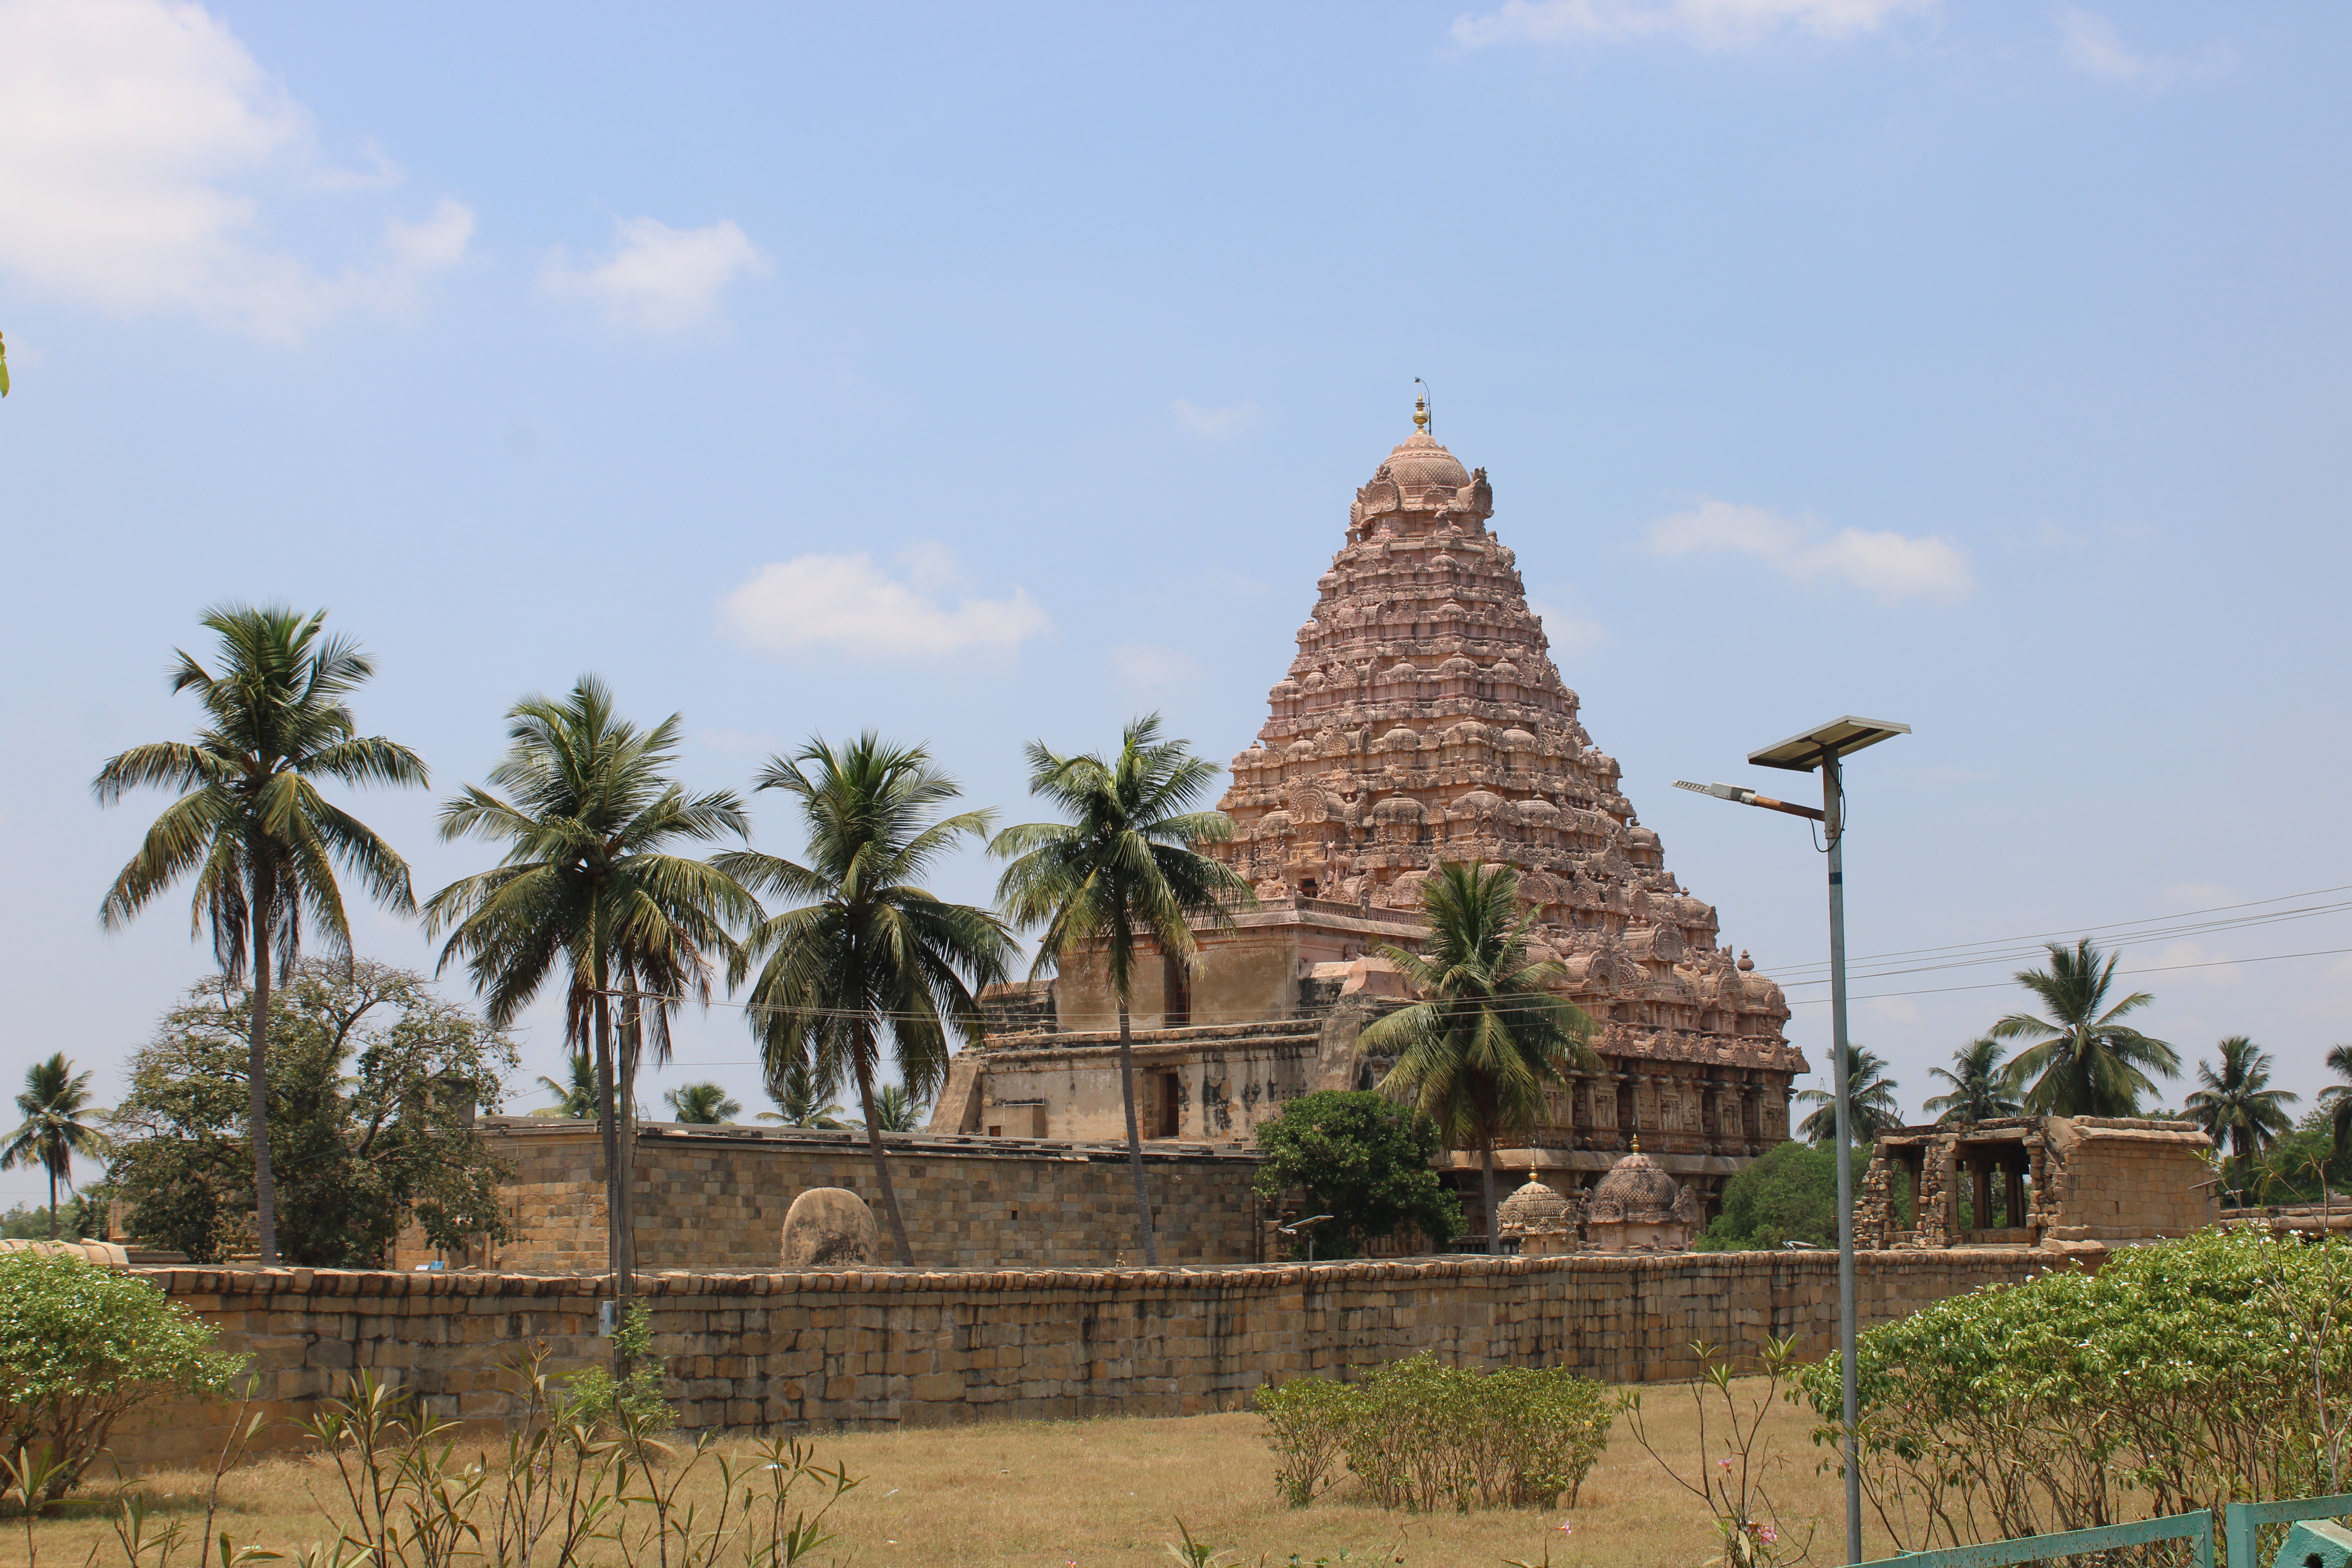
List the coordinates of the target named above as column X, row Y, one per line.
column 1423, row 721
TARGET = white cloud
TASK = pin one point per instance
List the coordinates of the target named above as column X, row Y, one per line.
column 1888, row 566
column 848, row 601
column 1709, row 23
column 2089, row 42
column 1149, row 664
column 2197, row 964
column 1213, row 422
column 130, row 132
column 659, row 279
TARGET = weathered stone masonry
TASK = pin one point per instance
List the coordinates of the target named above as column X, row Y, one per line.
column 881, row 1348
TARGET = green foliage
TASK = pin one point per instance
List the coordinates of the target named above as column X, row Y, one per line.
column 2184, row 1375
column 866, row 944
column 60, row 1123
column 1789, row 1193
column 2288, row 1171
column 1869, row 1100
column 79, row 1346
column 250, row 827
column 2086, row 1061
column 637, row 1402
column 896, row 1110
column 1364, row 1160
column 2237, row 1106
column 1478, row 1053
column 802, row 1101
column 575, row 1097
column 1419, row 1435
column 372, row 1088
column 702, row 1104
column 1980, row 1085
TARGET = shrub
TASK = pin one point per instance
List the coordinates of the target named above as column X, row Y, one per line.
column 1419, row 1435
column 597, row 1399
column 2184, row 1375
column 1787, row 1194
column 1363, row 1159
column 80, row 1345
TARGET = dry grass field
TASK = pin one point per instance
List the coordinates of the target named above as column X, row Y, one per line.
column 1109, row 1493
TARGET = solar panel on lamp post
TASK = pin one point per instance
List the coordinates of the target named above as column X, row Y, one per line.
column 1826, row 747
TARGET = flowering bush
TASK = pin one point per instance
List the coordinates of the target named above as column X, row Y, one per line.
column 1419, row 1435
column 2185, row 1374
column 79, row 1346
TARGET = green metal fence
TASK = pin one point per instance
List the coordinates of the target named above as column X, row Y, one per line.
column 2196, row 1529
column 2241, row 1520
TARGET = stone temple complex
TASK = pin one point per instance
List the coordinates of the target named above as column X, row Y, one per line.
column 1423, row 721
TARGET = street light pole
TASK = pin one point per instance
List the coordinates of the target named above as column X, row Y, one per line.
column 1833, row 829
column 1825, row 747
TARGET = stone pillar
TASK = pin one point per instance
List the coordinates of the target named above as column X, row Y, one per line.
column 1981, row 1169
column 2014, row 1195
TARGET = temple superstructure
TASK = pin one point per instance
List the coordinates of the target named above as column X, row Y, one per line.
column 1421, row 722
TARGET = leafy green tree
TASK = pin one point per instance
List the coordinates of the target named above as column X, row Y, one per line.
column 1119, row 873
column 1869, row 1100
column 2087, row 1062
column 589, row 886
column 701, row 1104
column 1787, row 1194
column 251, row 826
column 801, row 1102
column 80, row 1346
column 866, row 948
column 575, row 1097
column 2237, row 1106
column 373, row 1086
column 2336, row 1098
column 60, row 1123
column 1476, row 1053
column 898, row 1110
column 1363, row 1159
column 1980, row 1087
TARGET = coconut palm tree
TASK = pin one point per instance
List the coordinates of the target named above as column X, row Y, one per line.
column 1488, row 1038
column 2337, row 1097
column 251, row 826
column 2237, row 1104
column 2087, row 1061
column 575, row 1097
column 1121, row 871
column 55, row 1103
column 1869, row 1100
column 1980, row 1085
column 701, row 1104
column 867, row 948
column 898, row 1110
column 801, row 1102
column 588, row 885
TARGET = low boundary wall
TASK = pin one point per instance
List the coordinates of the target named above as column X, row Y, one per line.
column 876, row 1348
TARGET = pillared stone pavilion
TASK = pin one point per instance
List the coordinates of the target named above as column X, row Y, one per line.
column 1423, row 721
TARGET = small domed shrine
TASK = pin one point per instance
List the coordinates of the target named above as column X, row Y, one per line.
column 1536, row 1216
column 1637, row 1207
column 1423, row 721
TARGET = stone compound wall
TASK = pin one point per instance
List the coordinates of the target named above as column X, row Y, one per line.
column 716, row 1198
column 882, row 1348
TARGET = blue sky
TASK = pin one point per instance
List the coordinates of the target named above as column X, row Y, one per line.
column 982, row 374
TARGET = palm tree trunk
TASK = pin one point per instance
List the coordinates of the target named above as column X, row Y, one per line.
column 53, row 1203
column 256, row 1074
column 881, row 1161
column 608, row 1129
column 1486, row 1196
column 626, row 1111
column 1135, row 1138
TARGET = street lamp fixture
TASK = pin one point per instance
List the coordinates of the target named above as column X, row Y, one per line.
column 1300, row 1227
column 1825, row 747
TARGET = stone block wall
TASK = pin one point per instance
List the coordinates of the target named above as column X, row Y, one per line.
column 870, row 1349
column 716, row 1198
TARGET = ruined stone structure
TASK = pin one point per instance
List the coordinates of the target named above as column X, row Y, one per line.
column 2051, row 1181
column 1423, row 721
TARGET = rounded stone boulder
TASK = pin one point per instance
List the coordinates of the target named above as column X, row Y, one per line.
column 827, row 1227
